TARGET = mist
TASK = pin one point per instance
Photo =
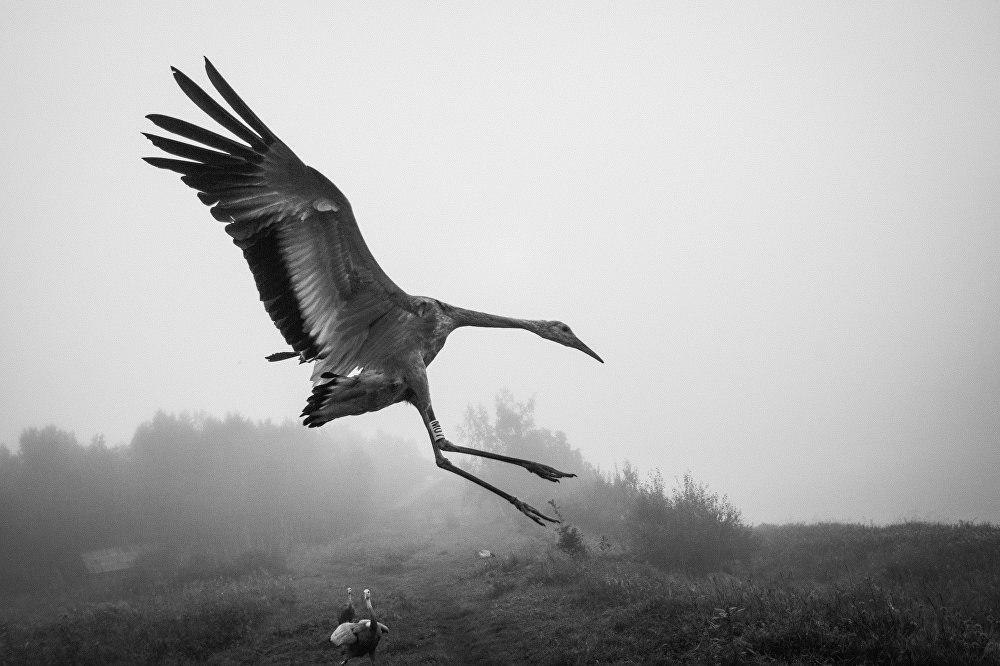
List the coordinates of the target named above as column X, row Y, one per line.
column 225, row 486
column 776, row 224
column 233, row 541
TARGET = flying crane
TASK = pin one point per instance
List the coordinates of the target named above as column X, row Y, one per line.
column 369, row 341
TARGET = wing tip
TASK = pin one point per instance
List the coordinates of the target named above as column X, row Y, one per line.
column 211, row 70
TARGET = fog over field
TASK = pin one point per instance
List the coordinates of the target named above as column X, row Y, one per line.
column 777, row 224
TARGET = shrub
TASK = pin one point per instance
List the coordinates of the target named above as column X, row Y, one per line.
column 570, row 541
column 693, row 529
column 555, row 570
column 510, row 563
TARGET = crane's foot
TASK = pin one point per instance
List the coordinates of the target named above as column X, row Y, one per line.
column 532, row 512
column 546, row 472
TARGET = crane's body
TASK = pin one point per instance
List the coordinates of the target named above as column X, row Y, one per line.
column 369, row 341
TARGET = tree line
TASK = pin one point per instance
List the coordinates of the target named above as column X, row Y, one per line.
column 182, row 479
column 240, row 485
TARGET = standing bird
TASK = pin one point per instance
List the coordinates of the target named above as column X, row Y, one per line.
column 348, row 614
column 370, row 341
column 360, row 638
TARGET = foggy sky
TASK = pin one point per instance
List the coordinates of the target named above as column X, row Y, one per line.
column 777, row 223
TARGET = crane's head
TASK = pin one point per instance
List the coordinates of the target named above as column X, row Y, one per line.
column 368, row 594
column 561, row 333
column 348, row 591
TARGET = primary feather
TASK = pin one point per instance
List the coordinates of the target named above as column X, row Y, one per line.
column 315, row 275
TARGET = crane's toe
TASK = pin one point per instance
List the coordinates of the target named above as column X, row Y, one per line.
column 546, row 472
column 532, row 512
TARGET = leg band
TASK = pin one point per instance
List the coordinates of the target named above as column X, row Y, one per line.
column 436, row 430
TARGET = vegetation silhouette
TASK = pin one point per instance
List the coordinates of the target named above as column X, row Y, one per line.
column 244, row 534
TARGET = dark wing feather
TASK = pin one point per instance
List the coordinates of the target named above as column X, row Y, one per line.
column 237, row 104
column 316, row 276
column 216, row 110
column 197, row 153
column 204, row 136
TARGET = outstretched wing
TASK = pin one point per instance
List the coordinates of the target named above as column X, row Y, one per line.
column 316, row 277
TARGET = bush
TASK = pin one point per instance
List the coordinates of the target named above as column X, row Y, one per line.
column 510, row 563
column 555, row 570
column 571, row 541
column 694, row 529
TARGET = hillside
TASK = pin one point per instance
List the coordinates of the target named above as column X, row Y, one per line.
column 227, row 541
column 917, row 593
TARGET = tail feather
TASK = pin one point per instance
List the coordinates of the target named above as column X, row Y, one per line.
column 282, row 356
column 335, row 396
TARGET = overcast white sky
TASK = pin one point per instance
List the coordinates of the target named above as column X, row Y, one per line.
column 777, row 223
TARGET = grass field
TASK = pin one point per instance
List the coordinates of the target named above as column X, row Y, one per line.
column 828, row 593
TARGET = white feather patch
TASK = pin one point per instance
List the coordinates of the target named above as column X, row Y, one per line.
column 324, row 205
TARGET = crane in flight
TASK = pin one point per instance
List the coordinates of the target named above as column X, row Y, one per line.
column 370, row 342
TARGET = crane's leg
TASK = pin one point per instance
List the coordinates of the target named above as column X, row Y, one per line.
column 544, row 471
column 438, row 442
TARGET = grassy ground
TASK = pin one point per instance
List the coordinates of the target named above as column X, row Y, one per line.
column 815, row 594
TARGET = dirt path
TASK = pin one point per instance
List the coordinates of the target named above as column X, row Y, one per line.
column 430, row 623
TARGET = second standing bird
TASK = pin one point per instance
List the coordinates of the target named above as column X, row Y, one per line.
column 348, row 614
column 357, row 639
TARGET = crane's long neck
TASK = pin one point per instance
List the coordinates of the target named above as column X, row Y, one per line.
column 377, row 629
column 463, row 317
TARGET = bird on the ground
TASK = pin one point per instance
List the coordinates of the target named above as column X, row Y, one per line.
column 357, row 639
column 370, row 341
column 348, row 614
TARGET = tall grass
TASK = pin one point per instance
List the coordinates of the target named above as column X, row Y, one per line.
column 812, row 594
column 628, row 612
column 159, row 571
column 189, row 625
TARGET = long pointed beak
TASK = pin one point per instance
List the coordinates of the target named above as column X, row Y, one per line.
column 588, row 351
